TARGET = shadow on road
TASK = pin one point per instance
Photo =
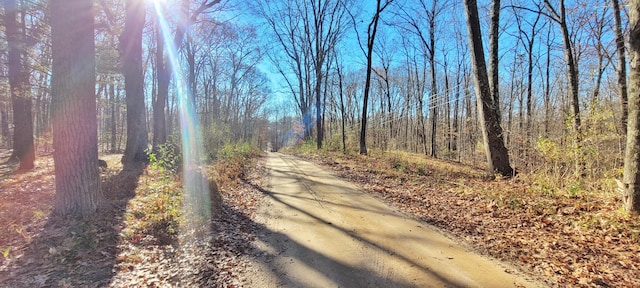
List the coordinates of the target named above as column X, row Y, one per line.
column 278, row 245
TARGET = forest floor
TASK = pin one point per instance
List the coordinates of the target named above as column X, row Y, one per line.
column 569, row 240
column 130, row 242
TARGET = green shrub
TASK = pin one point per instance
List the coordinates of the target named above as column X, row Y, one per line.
column 168, row 157
column 234, row 150
column 215, row 137
column 308, row 146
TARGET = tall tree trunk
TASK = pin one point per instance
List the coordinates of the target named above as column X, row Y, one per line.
column 390, row 113
column 342, row 112
column 494, row 82
column 447, row 106
column 456, row 107
column 599, row 72
column 371, row 36
column 598, row 29
column 434, row 86
column 497, row 154
column 23, row 146
column 319, row 128
column 191, row 63
column 40, row 127
column 131, row 46
column 4, row 126
column 547, row 86
column 530, row 39
column 621, row 69
column 162, row 78
column 631, row 181
column 318, row 63
column 529, row 91
column 112, row 119
column 468, row 106
column 421, row 130
column 75, row 136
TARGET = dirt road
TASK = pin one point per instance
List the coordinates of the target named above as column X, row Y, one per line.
column 320, row 231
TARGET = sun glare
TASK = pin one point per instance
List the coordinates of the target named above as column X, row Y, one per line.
column 196, row 202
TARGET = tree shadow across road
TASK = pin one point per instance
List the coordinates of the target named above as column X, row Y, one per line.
column 273, row 247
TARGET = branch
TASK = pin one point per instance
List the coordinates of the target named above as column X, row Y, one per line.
column 110, row 18
column 539, row 11
column 355, row 27
column 555, row 16
column 182, row 29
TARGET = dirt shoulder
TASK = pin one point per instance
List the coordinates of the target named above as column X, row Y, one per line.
column 316, row 230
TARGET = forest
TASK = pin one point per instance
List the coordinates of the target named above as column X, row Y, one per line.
column 98, row 95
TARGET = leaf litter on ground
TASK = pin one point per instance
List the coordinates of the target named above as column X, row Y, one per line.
column 42, row 250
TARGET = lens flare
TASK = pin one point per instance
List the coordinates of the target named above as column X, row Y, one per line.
column 196, row 200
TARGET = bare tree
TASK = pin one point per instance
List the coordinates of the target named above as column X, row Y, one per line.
column 598, row 28
column 559, row 16
column 428, row 42
column 293, row 64
column 528, row 39
column 497, row 154
column 158, row 103
column 385, row 53
column 164, row 70
column 372, row 29
column 306, row 34
column 327, row 22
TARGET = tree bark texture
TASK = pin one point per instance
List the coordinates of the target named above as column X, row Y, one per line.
column 497, row 154
column 23, row 146
column 493, row 55
column 131, row 49
column 621, row 69
column 4, row 126
column 433, row 102
column 631, row 181
column 75, row 136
